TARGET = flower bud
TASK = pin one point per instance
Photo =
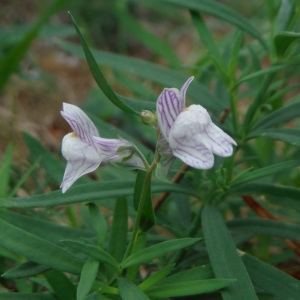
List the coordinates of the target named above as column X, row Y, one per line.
column 148, row 117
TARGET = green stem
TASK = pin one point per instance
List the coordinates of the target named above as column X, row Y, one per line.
column 233, row 104
column 136, row 229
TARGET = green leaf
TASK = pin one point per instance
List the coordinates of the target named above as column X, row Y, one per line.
column 224, row 257
column 283, row 40
column 61, row 284
column 50, row 231
column 156, row 277
column 270, row 279
column 118, row 236
column 5, row 169
column 285, row 15
column 128, row 290
column 197, row 273
column 87, row 278
column 263, row 72
column 93, row 251
column 37, row 249
column 287, row 135
column 148, row 217
column 282, row 195
column 156, row 73
column 187, row 288
column 98, row 75
column 10, row 62
column 158, row 250
column 25, row 270
column 90, row 192
column 263, row 172
column 281, row 115
column 99, row 223
column 257, row 226
column 210, row 45
column 222, row 12
column 27, row 296
column 147, row 38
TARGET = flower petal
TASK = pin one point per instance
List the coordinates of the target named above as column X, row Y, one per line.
column 82, row 159
column 183, row 90
column 168, row 107
column 218, row 141
column 196, row 156
column 80, row 122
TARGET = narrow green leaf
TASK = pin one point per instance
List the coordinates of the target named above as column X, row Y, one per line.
column 27, row 296
column 158, row 250
column 99, row 223
column 87, row 278
column 118, row 236
column 90, row 192
column 148, row 217
column 224, row 257
column 128, row 290
column 220, row 11
column 287, row 135
column 156, row 277
column 234, row 53
column 37, row 249
column 5, row 169
column 282, row 195
column 257, row 226
column 93, row 251
column 197, row 273
column 25, row 270
column 281, row 115
column 283, row 40
column 169, row 78
column 209, row 43
column 264, row 172
column 61, row 284
column 147, row 38
column 188, row 288
column 263, row 72
column 97, row 74
column 270, row 279
column 50, row 231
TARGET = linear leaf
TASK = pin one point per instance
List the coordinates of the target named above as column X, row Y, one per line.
column 61, row 284
column 91, row 250
column 169, row 78
column 282, row 195
column 27, row 296
column 157, row 250
column 281, row 115
column 87, row 277
column 220, row 11
column 37, row 249
column 187, row 288
column 266, row 227
column 25, row 270
column 224, row 257
column 50, row 231
column 118, row 236
column 283, row 40
column 270, row 279
column 266, row 171
column 287, row 135
column 98, row 75
column 90, row 192
column 128, row 290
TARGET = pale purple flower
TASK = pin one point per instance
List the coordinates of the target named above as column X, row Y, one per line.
column 85, row 150
column 189, row 133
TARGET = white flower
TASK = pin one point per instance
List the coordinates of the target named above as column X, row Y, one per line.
column 189, row 133
column 85, row 150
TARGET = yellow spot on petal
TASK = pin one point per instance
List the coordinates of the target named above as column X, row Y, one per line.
column 73, row 135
